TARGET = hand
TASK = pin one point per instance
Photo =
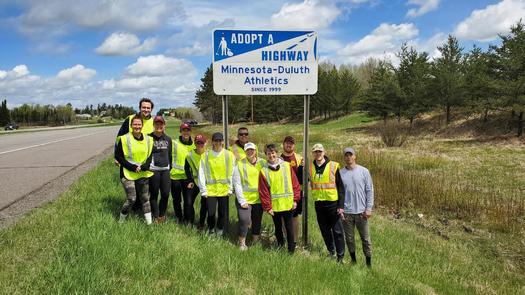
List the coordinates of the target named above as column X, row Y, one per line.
column 294, row 205
column 204, row 196
column 137, row 169
column 367, row 214
column 302, row 162
column 191, row 185
column 245, row 205
column 270, row 212
column 117, row 163
column 341, row 213
column 230, row 192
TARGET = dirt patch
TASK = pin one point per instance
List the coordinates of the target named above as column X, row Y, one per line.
column 49, row 191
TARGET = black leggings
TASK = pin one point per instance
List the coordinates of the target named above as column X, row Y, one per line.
column 278, row 218
column 204, row 210
column 189, row 200
column 179, row 188
column 212, row 207
column 159, row 181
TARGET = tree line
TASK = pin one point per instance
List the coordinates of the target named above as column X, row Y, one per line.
column 36, row 114
column 480, row 81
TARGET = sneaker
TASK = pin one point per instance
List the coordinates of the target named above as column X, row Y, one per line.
column 122, row 218
column 220, row 232
column 243, row 247
column 160, row 219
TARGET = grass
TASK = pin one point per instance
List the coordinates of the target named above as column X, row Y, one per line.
column 75, row 245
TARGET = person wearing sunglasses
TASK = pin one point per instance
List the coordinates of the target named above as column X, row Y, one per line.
column 237, row 147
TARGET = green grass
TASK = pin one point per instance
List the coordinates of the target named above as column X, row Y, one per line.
column 75, row 245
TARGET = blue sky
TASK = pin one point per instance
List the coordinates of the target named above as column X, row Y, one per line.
column 89, row 52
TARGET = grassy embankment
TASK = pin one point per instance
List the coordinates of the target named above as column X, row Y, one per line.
column 75, row 244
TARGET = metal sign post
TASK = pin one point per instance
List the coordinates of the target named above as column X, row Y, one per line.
column 306, row 167
column 226, row 146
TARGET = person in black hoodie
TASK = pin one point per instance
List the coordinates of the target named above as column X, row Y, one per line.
column 324, row 176
column 160, row 166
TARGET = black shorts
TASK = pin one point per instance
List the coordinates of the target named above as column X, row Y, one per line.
column 299, row 209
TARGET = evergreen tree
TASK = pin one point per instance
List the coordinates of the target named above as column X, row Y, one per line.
column 5, row 116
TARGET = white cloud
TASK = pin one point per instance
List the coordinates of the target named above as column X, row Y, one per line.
column 425, row 6
column 485, row 24
column 310, row 14
column 383, row 42
column 197, row 49
column 57, row 17
column 168, row 81
column 122, row 43
column 76, row 73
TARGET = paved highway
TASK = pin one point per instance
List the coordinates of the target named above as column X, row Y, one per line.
column 30, row 160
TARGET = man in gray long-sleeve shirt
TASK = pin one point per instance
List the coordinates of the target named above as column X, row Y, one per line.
column 357, row 188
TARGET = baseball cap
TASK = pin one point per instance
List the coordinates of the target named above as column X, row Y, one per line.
column 289, row 139
column 217, row 136
column 318, row 147
column 159, row 119
column 349, row 150
column 185, row 126
column 249, row 145
column 200, row 139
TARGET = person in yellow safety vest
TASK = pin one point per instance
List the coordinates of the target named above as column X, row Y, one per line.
column 324, row 177
column 237, row 147
column 296, row 162
column 215, row 182
column 193, row 159
column 279, row 191
column 134, row 153
column 248, row 203
column 145, row 109
column 180, row 174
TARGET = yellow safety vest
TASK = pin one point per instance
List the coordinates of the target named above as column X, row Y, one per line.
column 250, row 179
column 218, row 171
column 281, row 187
column 147, row 124
column 238, row 152
column 179, row 151
column 194, row 159
column 324, row 187
column 136, row 152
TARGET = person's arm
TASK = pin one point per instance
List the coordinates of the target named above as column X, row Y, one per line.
column 264, row 194
column 187, row 170
column 237, row 184
column 230, row 177
column 202, row 179
column 147, row 164
column 296, row 187
column 170, row 145
column 119, row 156
column 124, row 128
column 369, row 191
column 340, row 190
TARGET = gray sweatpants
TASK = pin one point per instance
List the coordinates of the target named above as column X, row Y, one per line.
column 142, row 185
column 361, row 223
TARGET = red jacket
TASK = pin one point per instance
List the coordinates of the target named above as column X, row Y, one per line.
column 264, row 190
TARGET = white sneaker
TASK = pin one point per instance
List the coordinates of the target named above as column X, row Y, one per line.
column 243, row 247
column 147, row 216
column 220, row 232
column 122, row 218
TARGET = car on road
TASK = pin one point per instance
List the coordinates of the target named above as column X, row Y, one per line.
column 192, row 122
column 11, row 126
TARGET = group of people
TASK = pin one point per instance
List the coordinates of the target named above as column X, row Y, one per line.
column 151, row 162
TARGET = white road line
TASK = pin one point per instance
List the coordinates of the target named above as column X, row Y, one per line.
column 50, row 142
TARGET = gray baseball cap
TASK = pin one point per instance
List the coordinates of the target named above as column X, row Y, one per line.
column 349, row 150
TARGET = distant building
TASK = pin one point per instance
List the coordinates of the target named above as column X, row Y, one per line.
column 83, row 116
